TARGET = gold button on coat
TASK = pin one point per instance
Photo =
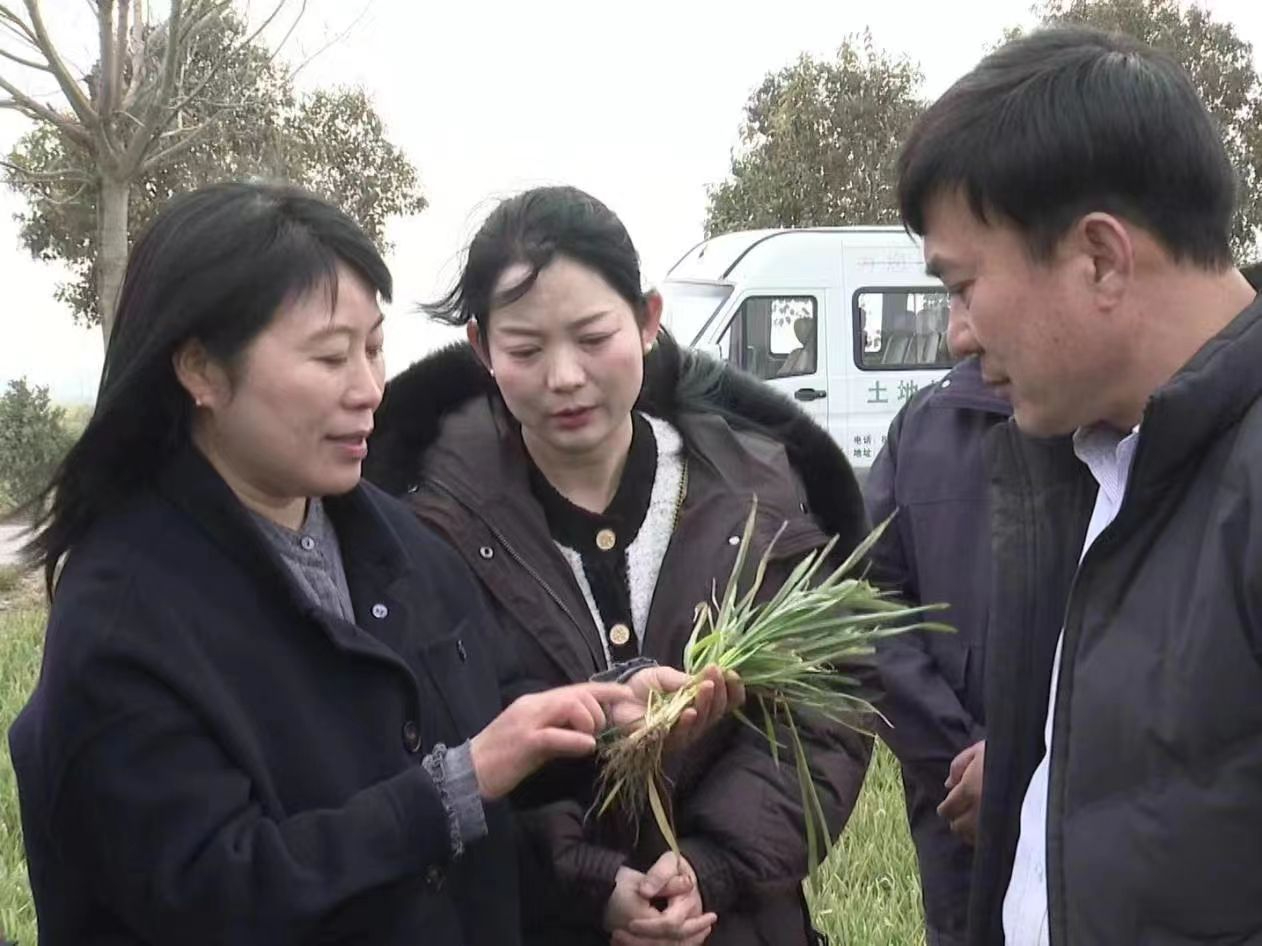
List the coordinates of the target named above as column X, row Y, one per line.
column 619, row 634
column 605, row 540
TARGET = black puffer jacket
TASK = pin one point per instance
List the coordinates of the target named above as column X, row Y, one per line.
column 1155, row 799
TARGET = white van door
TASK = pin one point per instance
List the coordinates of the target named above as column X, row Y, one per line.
column 780, row 336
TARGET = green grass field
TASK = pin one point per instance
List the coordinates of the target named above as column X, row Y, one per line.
column 868, row 895
column 21, row 632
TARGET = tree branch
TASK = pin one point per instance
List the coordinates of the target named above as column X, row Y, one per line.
column 69, row 87
column 144, row 138
column 120, row 41
column 107, row 87
column 198, row 14
column 302, row 11
column 68, row 200
column 56, row 176
column 112, row 65
column 192, row 25
column 131, row 118
column 29, row 63
column 17, row 34
column 138, row 45
column 72, row 131
column 330, row 44
column 191, row 96
column 191, row 138
column 231, row 54
column 17, row 25
column 180, row 129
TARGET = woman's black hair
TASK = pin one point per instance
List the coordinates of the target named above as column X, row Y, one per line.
column 535, row 228
column 215, row 265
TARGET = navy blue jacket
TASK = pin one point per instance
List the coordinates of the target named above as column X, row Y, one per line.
column 938, row 550
column 208, row 758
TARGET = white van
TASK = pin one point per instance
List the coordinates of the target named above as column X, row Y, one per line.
column 843, row 319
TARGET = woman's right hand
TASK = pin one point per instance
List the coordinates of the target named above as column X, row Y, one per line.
column 539, row 727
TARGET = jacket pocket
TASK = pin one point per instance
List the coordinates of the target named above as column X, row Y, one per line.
column 463, row 680
column 794, row 538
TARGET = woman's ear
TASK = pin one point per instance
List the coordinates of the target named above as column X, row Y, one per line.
column 651, row 324
column 478, row 343
column 200, row 375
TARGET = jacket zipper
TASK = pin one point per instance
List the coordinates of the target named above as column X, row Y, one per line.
column 1058, row 921
column 1030, row 610
column 526, row 566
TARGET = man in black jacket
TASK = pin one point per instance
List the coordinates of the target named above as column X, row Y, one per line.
column 937, row 551
column 1075, row 198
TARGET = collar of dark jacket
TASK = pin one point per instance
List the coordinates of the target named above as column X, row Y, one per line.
column 443, row 413
column 1182, row 418
column 367, row 541
column 964, row 388
column 1210, row 394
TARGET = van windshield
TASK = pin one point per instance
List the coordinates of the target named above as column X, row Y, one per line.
column 688, row 306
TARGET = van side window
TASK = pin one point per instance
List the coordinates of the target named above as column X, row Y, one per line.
column 901, row 328
column 773, row 336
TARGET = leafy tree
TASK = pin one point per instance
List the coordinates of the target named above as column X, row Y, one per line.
column 819, row 143
column 33, row 440
column 171, row 106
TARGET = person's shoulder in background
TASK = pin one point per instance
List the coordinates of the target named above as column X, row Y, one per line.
column 1253, row 273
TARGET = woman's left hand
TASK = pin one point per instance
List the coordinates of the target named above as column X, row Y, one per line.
column 717, row 695
column 684, row 921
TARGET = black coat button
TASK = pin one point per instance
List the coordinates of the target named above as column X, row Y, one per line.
column 411, row 737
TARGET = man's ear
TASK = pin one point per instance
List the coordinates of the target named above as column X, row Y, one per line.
column 1107, row 244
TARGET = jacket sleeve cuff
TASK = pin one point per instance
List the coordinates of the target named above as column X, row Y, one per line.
column 463, row 794
column 624, row 670
column 574, row 876
column 596, row 869
column 714, row 873
column 457, row 784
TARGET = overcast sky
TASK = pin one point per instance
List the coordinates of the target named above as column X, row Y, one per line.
column 640, row 104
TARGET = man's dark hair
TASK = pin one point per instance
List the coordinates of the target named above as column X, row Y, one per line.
column 1069, row 121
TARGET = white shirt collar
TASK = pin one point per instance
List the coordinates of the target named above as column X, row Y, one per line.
column 1108, row 454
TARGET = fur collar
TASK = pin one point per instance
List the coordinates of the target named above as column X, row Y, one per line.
column 676, row 381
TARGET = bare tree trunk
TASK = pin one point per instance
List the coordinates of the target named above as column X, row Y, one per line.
column 111, row 261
